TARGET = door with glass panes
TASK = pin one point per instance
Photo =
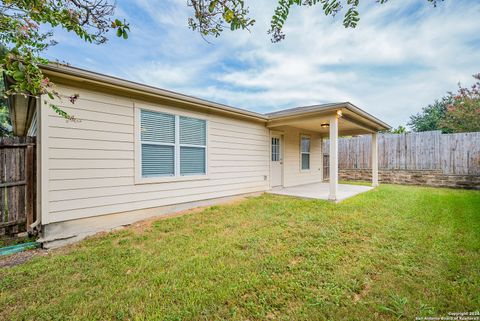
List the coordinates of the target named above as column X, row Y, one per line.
column 276, row 161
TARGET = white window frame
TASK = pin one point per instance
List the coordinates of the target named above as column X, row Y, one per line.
column 309, row 153
column 139, row 179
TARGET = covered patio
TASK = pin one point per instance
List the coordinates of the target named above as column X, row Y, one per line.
column 321, row 191
column 297, row 152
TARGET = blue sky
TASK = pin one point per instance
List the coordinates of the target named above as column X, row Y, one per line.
column 401, row 57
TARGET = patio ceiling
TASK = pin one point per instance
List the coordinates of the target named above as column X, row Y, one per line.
column 352, row 121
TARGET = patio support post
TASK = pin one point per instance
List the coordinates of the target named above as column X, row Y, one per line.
column 333, row 158
column 374, row 159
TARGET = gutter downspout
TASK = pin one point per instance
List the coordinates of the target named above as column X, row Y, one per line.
column 38, row 206
column 36, row 223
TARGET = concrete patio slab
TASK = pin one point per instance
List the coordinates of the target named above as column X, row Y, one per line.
column 320, row 191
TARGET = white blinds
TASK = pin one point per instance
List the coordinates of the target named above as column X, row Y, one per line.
column 161, row 147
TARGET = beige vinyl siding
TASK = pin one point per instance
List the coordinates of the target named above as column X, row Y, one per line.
column 293, row 175
column 91, row 162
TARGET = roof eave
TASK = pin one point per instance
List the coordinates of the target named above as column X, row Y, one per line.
column 81, row 74
column 370, row 117
column 68, row 72
column 319, row 108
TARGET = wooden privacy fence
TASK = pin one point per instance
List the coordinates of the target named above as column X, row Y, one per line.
column 454, row 154
column 17, row 184
column 326, row 167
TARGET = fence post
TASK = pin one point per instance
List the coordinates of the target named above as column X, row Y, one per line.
column 374, row 159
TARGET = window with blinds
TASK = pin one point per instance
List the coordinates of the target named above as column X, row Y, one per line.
column 193, row 143
column 172, row 145
column 305, row 152
column 158, row 144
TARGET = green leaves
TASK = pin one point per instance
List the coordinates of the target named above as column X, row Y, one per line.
column 122, row 28
column 228, row 15
column 351, row 18
column 329, row 7
column 212, row 6
column 22, row 42
column 210, row 17
column 18, row 75
column 454, row 113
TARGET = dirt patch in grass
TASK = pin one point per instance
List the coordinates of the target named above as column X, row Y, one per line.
column 143, row 225
column 357, row 297
column 296, row 260
column 21, row 257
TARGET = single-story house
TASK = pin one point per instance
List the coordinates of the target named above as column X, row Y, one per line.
column 136, row 151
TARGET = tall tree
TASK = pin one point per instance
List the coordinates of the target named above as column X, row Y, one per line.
column 455, row 113
column 399, row 130
column 430, row 118
column 23, row 40
column 463, row 112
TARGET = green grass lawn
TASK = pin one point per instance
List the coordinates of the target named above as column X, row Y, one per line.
column 392, row 253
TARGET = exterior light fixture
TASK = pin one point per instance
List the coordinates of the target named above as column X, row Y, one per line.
column 339, row 113
column 325, row 125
